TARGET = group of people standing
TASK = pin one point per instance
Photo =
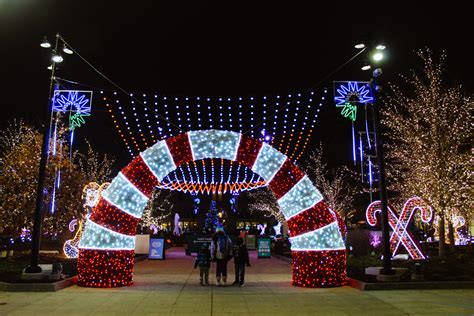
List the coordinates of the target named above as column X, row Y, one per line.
column 221, row 251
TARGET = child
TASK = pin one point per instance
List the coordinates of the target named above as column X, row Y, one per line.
column 203, row 260
column 241, row 257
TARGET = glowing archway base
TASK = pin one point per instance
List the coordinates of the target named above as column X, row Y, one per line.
column 106, row 249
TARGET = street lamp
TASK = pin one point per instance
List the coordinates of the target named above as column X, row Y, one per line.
column 45, row 43
column 377, row 56
column 33, row 267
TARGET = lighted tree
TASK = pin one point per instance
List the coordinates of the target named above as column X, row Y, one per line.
column 263, row 200
column 95, row 167
column 20, row 156
column 429, row 133
column 20, row 144
column 158, row 209
column 335, row 184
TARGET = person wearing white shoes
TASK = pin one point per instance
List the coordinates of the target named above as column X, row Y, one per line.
column 221, row 252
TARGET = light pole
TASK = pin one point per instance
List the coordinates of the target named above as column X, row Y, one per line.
column 376, row 56
column 56, row 57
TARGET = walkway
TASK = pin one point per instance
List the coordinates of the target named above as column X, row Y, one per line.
column 170, row 287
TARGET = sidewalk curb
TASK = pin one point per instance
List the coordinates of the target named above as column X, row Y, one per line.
column 37, row 287
column 363, row 286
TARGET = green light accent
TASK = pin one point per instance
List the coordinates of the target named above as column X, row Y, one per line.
column 77, row 120
column 349, row 110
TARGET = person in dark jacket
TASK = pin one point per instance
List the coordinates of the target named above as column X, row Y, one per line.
column 203, row 260
column 221, row 253
column 241, row 258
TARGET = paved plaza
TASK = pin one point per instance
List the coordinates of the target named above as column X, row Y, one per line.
column 171, row 287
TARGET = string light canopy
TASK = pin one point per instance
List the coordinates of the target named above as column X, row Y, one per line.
column 286, row 122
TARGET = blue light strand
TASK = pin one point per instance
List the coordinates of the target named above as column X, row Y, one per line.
column 367, row 128
column 353, row 144
column 370, row 173
column 53, row 199
column 197, row 173
column 212, row 172
column 72, row 137
column 182, row 173
column 238, row 173
column 230, row 173
column 55, row 138
column 190, row 173
column 204, row 171
column 245, row 175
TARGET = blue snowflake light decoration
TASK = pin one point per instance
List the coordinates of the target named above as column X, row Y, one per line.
column 349, row 94
column 78, row 103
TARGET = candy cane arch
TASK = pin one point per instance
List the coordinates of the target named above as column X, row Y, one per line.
column 106, row 249
column 399, row 225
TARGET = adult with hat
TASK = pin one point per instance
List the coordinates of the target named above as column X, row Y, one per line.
column 221, row 252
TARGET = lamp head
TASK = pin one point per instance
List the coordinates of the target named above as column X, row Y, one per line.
column 57, row 58
column 67, row 50
column 45, row 43
column 377, row 56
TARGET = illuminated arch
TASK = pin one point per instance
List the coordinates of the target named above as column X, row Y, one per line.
column 106, row 249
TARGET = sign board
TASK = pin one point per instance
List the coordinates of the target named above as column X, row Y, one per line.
column 157, row 248
column 199, row 241
column 263, row 248
column 250, row 242
column 195, row 241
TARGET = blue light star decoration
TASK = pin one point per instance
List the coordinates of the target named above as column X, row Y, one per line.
column 78, row 103
column 349, row 94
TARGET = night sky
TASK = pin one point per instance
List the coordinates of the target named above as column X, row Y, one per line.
column 236, row 48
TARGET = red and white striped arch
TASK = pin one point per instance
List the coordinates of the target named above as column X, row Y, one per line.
column 106, row 249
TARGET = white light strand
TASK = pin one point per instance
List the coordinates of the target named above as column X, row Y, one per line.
column 123, row 194
column 268, row 162
column 98, row 237
column 302, row 196
column 325, row 238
